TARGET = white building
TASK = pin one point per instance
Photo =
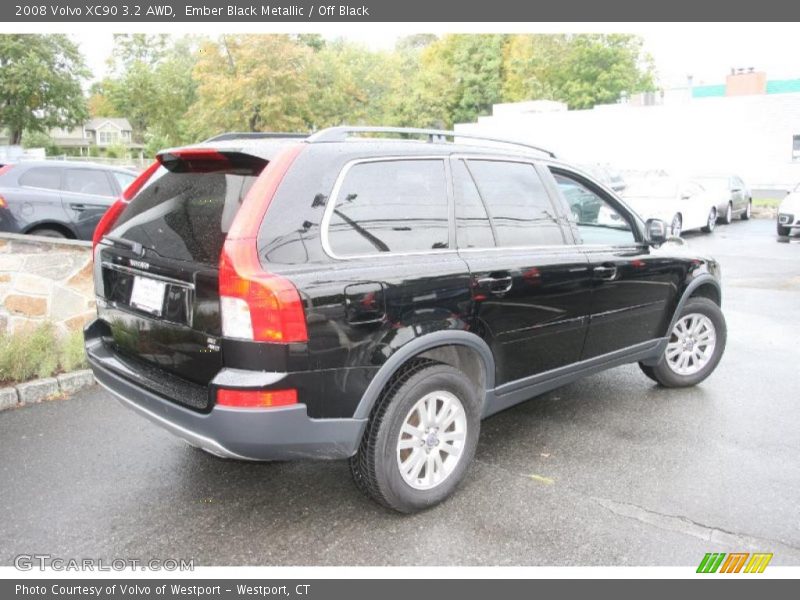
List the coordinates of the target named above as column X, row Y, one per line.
column 756, row 135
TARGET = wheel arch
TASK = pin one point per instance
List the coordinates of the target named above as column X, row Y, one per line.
column 702, row 286
column 460, row 349
column 58, row 226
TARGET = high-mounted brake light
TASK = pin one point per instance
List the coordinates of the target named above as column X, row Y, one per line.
column 196, row 160
column 255, row 304
column 111, row 215
column 256, row 398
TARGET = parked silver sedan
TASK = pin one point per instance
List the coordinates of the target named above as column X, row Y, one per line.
column 733, row 196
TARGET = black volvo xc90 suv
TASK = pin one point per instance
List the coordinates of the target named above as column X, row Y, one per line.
column 349, row 295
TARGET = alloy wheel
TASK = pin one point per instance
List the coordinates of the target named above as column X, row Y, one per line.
column 691, row 344
column 431, row 440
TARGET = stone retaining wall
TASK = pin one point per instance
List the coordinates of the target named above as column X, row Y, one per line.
column 45, row 279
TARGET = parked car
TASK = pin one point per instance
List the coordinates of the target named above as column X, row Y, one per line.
column 338, row 297
column 789, row 212
column 733, row 196
column 684, row 204
column 58, row 198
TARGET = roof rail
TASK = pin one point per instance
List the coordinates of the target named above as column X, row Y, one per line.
column 340, row 134
column 253, row 135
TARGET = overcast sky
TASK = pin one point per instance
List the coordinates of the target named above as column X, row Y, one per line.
column 705, row 51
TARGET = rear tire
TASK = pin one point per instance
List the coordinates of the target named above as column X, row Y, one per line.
column 705, row 334
column 748, row 211
column 47, row 232
column 727, row 218
column 405, row 448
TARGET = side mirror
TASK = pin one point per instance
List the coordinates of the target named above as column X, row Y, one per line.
column 655, row 232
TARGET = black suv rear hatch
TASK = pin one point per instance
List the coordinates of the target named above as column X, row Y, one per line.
column 159, row 269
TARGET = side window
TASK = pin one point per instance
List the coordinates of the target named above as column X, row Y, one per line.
column 597, row 221
column 87, row 181
column 48, row 178
column 473, row 228
column 517, row 202
column 391, row 206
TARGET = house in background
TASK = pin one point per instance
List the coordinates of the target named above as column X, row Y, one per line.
column 100, row 133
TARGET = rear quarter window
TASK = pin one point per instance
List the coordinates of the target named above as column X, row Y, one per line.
column 390, row 206
column 48, row 178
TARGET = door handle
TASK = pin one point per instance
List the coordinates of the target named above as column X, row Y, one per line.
column 77, row 207
column 605, row 272
column 496, row 285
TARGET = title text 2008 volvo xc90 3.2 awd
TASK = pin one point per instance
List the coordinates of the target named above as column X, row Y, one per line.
column 353, row 295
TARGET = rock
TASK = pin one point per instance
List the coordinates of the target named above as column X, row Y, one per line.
column 55, row 265
column 65, row 303
column 78, row 322
column 8, row 397
column 31, row 284
column 28, row 306
column 72, row 382
column 37, row 390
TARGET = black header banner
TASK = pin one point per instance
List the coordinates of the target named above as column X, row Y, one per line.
column 439, row 11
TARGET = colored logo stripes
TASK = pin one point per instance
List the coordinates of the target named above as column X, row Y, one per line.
column 734, row 562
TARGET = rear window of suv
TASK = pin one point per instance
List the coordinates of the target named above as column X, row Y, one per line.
column 390, row 206
column 187, row 215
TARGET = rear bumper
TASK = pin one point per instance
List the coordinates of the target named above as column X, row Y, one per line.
column 280, row 433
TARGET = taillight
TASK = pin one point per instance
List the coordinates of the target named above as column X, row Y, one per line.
column 256, row 398
column 5, row 169
column 115, row 210
column 257, row 305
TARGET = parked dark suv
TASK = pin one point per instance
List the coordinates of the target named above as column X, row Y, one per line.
column 58, row 198
column 337, row 296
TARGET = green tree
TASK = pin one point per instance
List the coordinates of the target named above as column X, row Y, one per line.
column 581, row 70
column 40, row 83
column 151, row 85
column 457, row 78
column 251, row 83
column 351, row 84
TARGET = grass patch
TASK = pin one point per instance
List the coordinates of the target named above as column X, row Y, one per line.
column 41, row 352
column 766, row 202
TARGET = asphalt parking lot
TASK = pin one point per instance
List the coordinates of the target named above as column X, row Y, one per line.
column 611, row 470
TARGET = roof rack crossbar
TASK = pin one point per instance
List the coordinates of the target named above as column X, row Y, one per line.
column 340, row 134
column 253, row 135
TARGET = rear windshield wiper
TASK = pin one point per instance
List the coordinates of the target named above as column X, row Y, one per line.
column 135, row 247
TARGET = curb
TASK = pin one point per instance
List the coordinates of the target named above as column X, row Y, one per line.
column 37, row 390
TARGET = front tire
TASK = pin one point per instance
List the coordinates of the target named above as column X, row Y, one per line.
column 420, row 439
column 677, row 225
column 711, row 223
column 695, row 347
